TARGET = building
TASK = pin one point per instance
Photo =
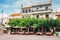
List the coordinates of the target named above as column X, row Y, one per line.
column 14, row 15
column 39, row 10
column 56, row 15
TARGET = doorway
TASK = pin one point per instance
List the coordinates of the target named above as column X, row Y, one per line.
column 47, row 16
column 37, row 16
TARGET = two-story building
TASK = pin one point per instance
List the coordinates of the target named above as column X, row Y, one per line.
column 39, row 10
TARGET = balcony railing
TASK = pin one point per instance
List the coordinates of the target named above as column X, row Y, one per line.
column 45, row 11
column 40, row 11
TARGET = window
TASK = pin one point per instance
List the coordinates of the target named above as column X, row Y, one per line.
column 46, row 8
column 26, row 10
column 23, row 11
column 29, row 10
column 40, row 6
column 37, row 16
column 47, row 16
column 37, row 8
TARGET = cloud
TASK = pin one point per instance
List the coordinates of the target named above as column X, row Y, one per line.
column 16, row 10
column 6, row 6
column 4, row 15
column 16, row 4
column 56, row 8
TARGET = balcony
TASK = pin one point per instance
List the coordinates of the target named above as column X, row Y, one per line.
column 42, row 11
column 39, row 11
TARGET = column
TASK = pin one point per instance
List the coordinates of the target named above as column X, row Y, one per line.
column 43, row 16
column 35, row 16
column 31, row 16
column 50, row 16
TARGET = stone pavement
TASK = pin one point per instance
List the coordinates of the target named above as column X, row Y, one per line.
column 27, row 37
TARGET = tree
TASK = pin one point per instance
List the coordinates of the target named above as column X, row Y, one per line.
column 37, row 23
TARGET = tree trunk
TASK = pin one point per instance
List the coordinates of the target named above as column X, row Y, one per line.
column 38, row 30
column 54, row 29
column 20, row 29
column 45, row 30
column 51, row 30
column 28, row 29
column 9, row 31
column 34, row 29
column 42, row 29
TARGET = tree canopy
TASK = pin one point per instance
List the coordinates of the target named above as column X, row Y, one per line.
column 28, row 22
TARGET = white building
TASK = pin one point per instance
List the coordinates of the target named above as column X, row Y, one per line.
column 41, row 10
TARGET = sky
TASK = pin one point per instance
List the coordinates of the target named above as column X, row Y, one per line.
column 13, row 6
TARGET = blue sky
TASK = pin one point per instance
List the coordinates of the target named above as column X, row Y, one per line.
column 12, row 6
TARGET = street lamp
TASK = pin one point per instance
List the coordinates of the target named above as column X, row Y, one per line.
column 2, row 16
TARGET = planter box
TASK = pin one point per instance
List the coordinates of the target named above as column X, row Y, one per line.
column 31, row 33
column 21, row 33
column 2, row 31
column 48, row 33
column 26, row 33
column 39, row 33
column 58, row 33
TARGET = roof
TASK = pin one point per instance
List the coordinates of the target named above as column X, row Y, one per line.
column 27, row 6
column 42, row 3
column 15, row 14
column 36, row 4
column 24, row 14
column 57, row 13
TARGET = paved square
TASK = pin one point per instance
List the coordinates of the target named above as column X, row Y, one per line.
column 27, row 37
